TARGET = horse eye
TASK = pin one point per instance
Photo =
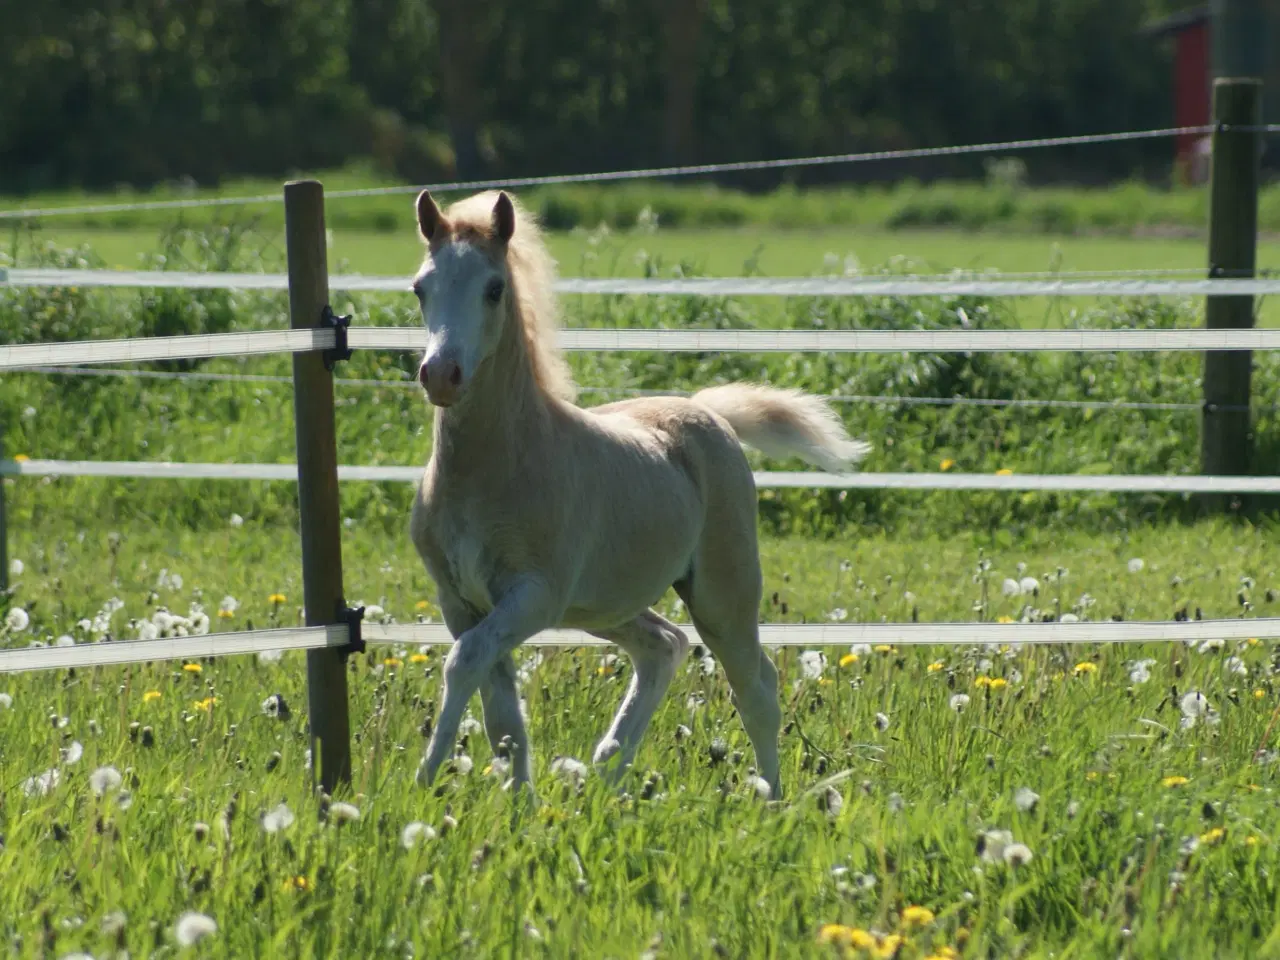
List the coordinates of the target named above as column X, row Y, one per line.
column 493, row 292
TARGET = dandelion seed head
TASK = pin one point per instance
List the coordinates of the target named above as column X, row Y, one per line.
column 280, row 817
column 343, row 812
column 105, row 779
column 1025, row 799
column 1136, row 565
column 193, row 927
column 72, row 753
column 1017, row 854
column 959, row 701
column 17, row 620
column 812, row 663
column 571, row 769
column 415, row 833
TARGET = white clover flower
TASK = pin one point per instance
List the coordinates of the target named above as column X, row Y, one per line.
column 414, row 833
column 16, row 567
column 959, row 701
column 105, row 779
column 571, row 769
column 16, row 620
column 1017, row 854
column 1136, row 565
column 72, row 753
column 193, row 927
column 1025, row 799
column 42, row 783
column 343, row 812
column 812, row 663
column 280, row 818
column 1010, row 587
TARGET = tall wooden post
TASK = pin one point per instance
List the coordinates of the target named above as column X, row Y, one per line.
column 318, row 505
column 1226, row 435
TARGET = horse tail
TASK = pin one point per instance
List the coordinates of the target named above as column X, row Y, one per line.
column 782, row 423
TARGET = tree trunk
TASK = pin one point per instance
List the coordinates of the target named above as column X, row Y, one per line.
column 461, row 49
column 681, row 26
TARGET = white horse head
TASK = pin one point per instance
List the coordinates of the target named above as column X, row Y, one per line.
column 463, row 288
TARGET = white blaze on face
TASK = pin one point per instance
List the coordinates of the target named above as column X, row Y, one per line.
column 461, row 293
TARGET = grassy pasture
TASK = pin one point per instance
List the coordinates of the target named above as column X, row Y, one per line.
column 1129, row 774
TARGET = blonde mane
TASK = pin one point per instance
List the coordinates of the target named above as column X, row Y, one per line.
column 532, row 272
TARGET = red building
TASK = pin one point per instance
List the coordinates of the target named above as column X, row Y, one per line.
column 1192, row 83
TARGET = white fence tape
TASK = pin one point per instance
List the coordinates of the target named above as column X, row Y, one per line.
column 863, row 341
column 906, row 634
column 163, row 348
column 865, row 286
column 84, row 655
column 765, row 479
column 17, row 660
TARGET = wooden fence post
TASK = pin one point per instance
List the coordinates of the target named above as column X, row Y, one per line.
column 1226, row 434
column 318, row 505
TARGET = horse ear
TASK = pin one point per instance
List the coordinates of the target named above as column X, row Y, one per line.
column 504, row 218
column 429, row 216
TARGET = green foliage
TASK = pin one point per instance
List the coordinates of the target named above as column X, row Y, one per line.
column 112, row 418
column 146, row 91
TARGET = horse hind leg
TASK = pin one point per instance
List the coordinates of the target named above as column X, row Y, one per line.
column 728, row 627
column 655, row 646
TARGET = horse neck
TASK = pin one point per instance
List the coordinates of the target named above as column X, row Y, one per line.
column 502, row 409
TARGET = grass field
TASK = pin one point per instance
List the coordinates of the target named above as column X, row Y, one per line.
column 1140, row 819
column 1143, row 833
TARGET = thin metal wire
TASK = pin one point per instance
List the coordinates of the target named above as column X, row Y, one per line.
column 647, row 172
column 873, row 285
column 880, row 399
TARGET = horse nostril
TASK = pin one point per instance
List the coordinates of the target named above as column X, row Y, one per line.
column 455, row 376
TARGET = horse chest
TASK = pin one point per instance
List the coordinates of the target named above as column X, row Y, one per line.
column 469, row 570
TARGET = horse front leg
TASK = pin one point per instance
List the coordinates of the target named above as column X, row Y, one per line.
column 522, row 611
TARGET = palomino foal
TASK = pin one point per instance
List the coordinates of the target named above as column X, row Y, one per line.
column 534, row 513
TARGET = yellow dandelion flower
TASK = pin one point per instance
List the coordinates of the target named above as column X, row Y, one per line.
column 421, row 605
column 947, row 464
column 20, row 458
column 225, row 614
column 192, row 668
column 277, row 598
column 1004, row 619
column 1252, row 787
column 890, row 945
column 1085, row 667
column 150, row 695
column 1259, row 694
column 883, row 648
column 1210, row 837
column 206, row 704
column 1004, row 472
column 1252, row 840
column 1174, row 781
column 393, row 662
column 935, row 666
column 982, row 680
column 997, row 683
column 297, row 883
column 848, row 660
column 418, row 658
column 1091, row 776
column 1252, row 641
column 836, row 933
column 825, row 681
column 917, row 916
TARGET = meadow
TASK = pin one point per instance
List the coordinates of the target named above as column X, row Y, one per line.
column 998, row 801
